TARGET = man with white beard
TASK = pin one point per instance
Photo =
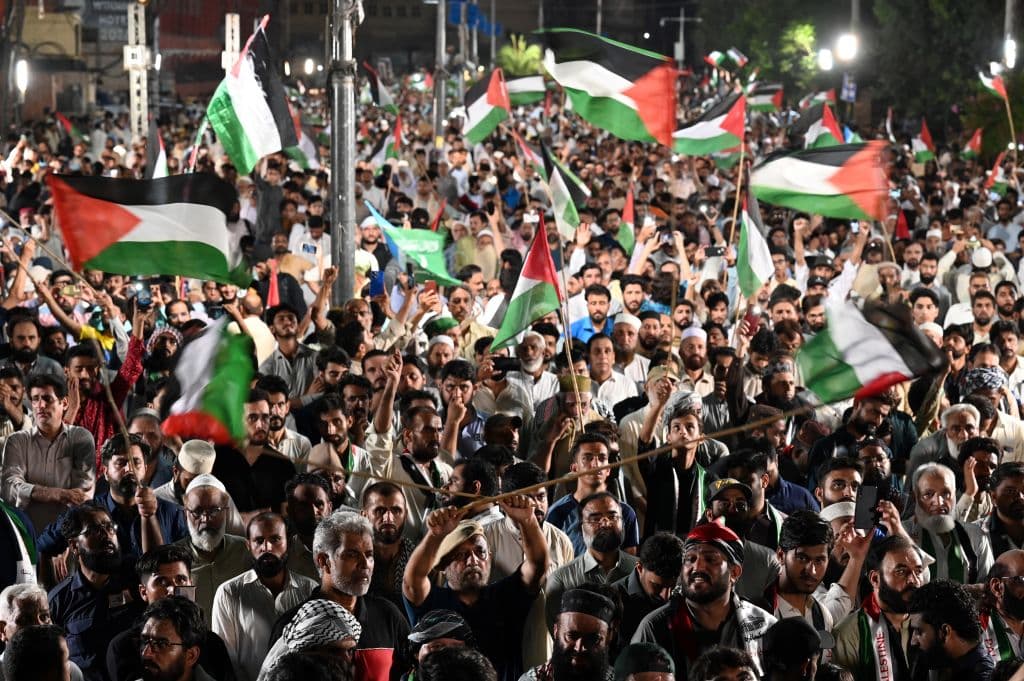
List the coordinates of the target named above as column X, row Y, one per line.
column 533, row 376
column 959, row 423
column 216, row 555
column 954, row 551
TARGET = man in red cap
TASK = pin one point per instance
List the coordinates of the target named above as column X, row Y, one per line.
column 708, row 613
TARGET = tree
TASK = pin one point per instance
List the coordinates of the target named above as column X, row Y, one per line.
column 519, row 58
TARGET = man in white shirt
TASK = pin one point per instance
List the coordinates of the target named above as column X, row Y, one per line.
column 246, row 607
column 533, row 375
column 608, row 385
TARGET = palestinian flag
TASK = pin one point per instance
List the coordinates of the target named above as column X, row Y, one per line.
column 304, row 153
column 214, row 372
column 851, row 137
column 156, row 154
column 818, row 127
column 737, row 57
column 902, row 230
column 530, row 157
column 862, row 353
column 536, row 293
column 175, row 226
column 993, row 84
column 627, row 91
column 973, row 148
column 567, row 192
column 487, row 105
column 844, row 181
column 727, row 158
column 922, row 145
column 389, row 146
column 627, row 226
column 249, row 111
column 753, row 259
column 382, row 99
column 422, row 248
column 71, row 129
column 193, row 156
column 823, row 97
column 997, row 181
column 765, row 97
column 714, row 58
column 525, row 90
column 719, row 128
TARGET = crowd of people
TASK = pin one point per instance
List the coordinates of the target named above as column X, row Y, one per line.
column 387, row 517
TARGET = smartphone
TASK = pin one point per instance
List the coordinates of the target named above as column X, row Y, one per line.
column 188, row 592
column 71, row 291
column 854, row 226
column 714, row 251
column 864, row 514
column 753, row 320
column 376, row 284
column 430, row 286
column 143, row 296
column 309, row 248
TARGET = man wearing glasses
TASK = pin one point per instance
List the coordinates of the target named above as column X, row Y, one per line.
column 173, row 642
column 52, row 466
column 96, row 602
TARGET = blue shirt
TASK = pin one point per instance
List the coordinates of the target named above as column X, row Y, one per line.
column 170, row 517
column 565, row 515
column 583, row 329
column 790, row 498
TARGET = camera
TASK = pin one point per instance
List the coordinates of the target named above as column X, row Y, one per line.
column 505, row 364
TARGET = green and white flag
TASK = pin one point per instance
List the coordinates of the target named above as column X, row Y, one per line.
column 525, row 90
column 753, row 258
column 567, row 192
column 487, row 105
column 423, row 248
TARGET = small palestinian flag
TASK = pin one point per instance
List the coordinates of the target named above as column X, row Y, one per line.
column 765, row 97
column 922, row 145
column 567, row 192
column 753, row 258
column 902, row 230
column 844, row 181
column 389, row 146
column 997, row 181
column 249, row 111
column 487, row 105
column 382, row 99
column 71, row 129
column 851, row 137
column 536, row 292
column 156, row 154
column 525, row 90
column 825, row 96
column 625, row 90
column 214, row 371
column 727, row 158
column 529, row 157
column 737, row 57
column 174, row 226
column 994, row 84
column 861, row 353
column 818, row 127
column 720, row 128
column 627, row 226
column 973, row 148
column 715, row 59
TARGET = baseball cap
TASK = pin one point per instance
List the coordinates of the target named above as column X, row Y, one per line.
column 817, row 281
column 717, row 487
column 500, row 420
column 793, row 640
column 467, row 529
column 197, row 457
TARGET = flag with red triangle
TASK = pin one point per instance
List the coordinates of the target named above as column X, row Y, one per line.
column 487, row 105
column 922, row 145
column 627, row 226
column 993, row 84
column 973, row 148
column 902, row 226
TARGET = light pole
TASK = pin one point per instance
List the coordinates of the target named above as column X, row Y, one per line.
column 20, row 82
column 440, row 76
column 342, row 79
column 682, row 19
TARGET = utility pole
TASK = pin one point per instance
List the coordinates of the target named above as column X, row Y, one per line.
column 440, row 76
column 155, row 85
column 463, row 50
column 136, row 62
column 494, row 37
column 540, row 15
column 600, row 11
column 232, row 42
column 681, row 45
column 474, row 38
column 343, row 143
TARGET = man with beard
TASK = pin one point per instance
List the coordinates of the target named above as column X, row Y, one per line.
column 598, row 299
column 956, row 341
column 173, row 641
column 195, row 458
column 143, row 520
column 145, row 423
column 459, row 551
column 876, row 457
column 634, row 293
column 161, row 572
column 1006, row 300
column 606, row 384
column 216, row 555
column 928, row 269
column 26, row 335
column 983, row 307
column 960, row 422
column 418, row 463
column 583, row 634
column 161, row 352
column 765, row 522
column 1002, row 610
column 253, row 476
column 603, row 561
column 978, row 458
column 292, row 361
column 533, row 375
column 384, row 506
column 624, row 335
column 945, row 628
column 473, row 477
column 867, row 415
column 1004, row 527
column 708, row 612
column 283, row 439
column 1006, row 336
column 648, row 337
column 308, row 501
column 693, row 350
column 22, row 606
column 651, row 582
column 460, row 305
column 815, row 320
column 343, row 547
column 97, row 601
column 245, row 608
column 960, row 552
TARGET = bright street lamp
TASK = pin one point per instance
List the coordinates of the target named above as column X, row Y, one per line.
column 846, row 47
column 21, row 76
column 825, row 60
column 287, row 69
column 1010, row 52
column 309, row 66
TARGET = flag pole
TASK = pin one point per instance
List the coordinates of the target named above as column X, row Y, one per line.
column 1013, row 134
column 566, row 333
column 739, row 188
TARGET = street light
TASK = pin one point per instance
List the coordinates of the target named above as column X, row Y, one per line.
column 287, row 69
column 309, row 66
column 21, row 76
column 846, row 47
column 1010, row 52
column 825, row 60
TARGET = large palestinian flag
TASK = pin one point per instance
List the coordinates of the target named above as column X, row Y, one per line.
column 487, row 105
column 382, row 99
column 765, row 97
column 174, row 226
column 819, row 127
column 625, row 90
column 536, row 293
column 844, row 181
column 721, row 127
column 249, row 111
column 864, row 352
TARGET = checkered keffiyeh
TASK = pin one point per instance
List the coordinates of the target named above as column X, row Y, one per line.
column 318, row 623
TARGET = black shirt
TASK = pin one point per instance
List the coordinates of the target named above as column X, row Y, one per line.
column 260, row 485
column 124, row 661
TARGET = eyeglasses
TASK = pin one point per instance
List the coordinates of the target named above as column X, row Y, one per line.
column 99, row 530
column 207, row 513
column 159, row 645
column 1017, row 581
column 739, row 506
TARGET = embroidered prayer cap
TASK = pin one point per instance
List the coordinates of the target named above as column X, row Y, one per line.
column 206, row 480
column 641, row 658
column 465, row 530
column 565, row 383
column 792, row 641
column 319, row 623
column 439, row 325
column 722, row 538
column 842, row 509
column 628, row 319
column 589, row 603
column 694, row 332
column 197, row 457
column 662, row 371
column 441, row 623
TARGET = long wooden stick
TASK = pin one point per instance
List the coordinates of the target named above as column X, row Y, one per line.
column 1013, row 134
